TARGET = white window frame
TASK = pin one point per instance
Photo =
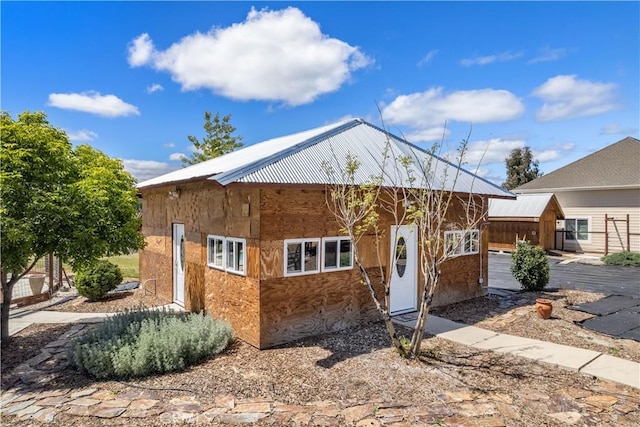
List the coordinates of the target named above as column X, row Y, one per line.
column 225, row 266
column 576, row 231
column 235, row 268
column 302, row 242
column 211, row 253
column 460, row 240
column 338, row 241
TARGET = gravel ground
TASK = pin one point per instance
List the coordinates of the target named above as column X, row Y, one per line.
column 358, row 366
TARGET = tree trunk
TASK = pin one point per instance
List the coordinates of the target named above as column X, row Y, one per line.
column 7, row 290
column 382, row 309
column 7, row 294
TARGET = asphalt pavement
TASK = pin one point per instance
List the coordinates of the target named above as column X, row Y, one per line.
column 606, row 279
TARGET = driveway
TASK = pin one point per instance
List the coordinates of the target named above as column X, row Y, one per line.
column 606, row 279
column 617, row 314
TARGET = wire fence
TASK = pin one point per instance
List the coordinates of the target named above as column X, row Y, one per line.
column 42, row 281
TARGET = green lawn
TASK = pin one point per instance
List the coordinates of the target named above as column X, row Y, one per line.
column 128, row 265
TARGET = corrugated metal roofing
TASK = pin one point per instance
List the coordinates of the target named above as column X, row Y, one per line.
column 615, row 166
column 527, row 205
column 302, row 159
column 239, row 158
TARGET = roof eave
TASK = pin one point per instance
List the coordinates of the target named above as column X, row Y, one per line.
column 565, row 189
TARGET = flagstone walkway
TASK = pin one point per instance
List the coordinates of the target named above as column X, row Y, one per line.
column 27, row 398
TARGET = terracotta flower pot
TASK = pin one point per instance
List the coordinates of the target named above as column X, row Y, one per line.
column 544, row 307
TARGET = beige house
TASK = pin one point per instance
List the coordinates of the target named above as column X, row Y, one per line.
column 600, row 197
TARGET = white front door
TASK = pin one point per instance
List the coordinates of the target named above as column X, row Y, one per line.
column 178, row 263
column 403, row 294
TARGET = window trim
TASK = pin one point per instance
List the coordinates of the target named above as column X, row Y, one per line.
column 287, row 242
column 235, row 241
column 338, row 240
column 224, row 266
column 576, row 231
column 460, row 237
column 224, row 250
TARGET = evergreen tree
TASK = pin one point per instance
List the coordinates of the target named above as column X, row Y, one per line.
column 219, row 140
column 521, row 168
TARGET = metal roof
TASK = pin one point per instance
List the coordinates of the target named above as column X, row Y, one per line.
column 303, row 158
column 526, row 205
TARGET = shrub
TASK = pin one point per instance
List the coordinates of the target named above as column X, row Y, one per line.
column 145, row 342
column 97, row 279
column 529, row 266
column 623, row 258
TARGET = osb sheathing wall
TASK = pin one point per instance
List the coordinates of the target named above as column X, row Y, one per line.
column 205, row 208
column 300, row 306
column 312, row 304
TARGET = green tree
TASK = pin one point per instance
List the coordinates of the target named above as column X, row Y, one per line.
column 78, row 204
column 219, row 140
column 521, row 168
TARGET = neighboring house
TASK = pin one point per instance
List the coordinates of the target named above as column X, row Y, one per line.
column 248, row 237
column 532, row 217
column 600, row 197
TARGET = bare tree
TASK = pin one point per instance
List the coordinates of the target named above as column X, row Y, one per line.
column 412, row 187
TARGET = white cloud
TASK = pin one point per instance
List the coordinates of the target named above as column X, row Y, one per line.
column 140, row 50
column 547, row 55
column 176, row 156
column 616, row 129
column 94, row 103
column 433, row 107
column 154, row 88
column 428, row 135
column 169, row 145
column 143, row 170
column 277, row 56
column 494, row 150
column 566, row 97
column 81, row 135
column 428, row 57
column 489, row 59
column 545, row 155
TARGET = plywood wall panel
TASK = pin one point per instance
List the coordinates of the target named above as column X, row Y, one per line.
column 194, row 287
column 271, row 259
column 459, row 280
column 156, row 273
column 297, row 307
column 235, row 299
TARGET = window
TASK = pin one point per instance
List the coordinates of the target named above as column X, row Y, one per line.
column 235, row 255
column 301, row 256
column 215, row 252
column 226, row 253
column 577, row 229
column 459, row 243
column 337, row 254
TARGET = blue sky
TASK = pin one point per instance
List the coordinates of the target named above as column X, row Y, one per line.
column 133, row 79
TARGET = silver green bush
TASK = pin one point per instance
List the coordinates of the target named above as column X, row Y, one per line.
column 145, row 342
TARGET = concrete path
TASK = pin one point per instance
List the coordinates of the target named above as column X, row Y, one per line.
column 23, row 317
column 606, row 279
column 576, row 359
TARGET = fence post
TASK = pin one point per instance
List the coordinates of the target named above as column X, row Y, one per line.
column 628, row 235
column 606, row 234
column 51, row 268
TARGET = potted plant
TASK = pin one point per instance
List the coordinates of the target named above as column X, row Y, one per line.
column 36, row 282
